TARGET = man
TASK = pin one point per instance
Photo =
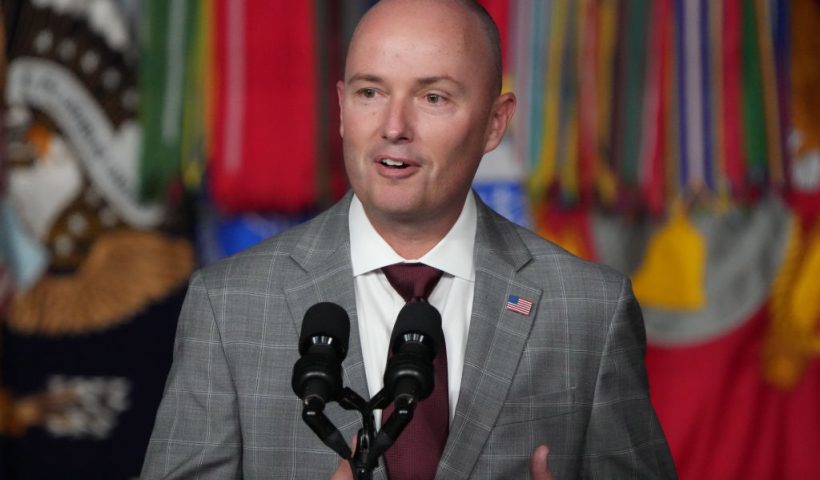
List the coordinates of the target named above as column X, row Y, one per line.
column 420, row 105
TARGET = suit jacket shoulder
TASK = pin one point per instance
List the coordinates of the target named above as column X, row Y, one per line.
column 540, row 260
column 229, row 410
column 300, row 248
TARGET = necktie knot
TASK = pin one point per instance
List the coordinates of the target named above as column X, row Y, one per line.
column 413, row 281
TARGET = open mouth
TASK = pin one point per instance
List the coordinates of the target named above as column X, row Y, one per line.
column 387, row 162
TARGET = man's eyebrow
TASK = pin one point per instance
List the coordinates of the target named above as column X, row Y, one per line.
column 365, row 77
column 424, row 81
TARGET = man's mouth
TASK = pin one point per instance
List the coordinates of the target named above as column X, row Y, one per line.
column 389, row 162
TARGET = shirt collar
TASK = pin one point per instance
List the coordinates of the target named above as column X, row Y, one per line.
column 453, row 254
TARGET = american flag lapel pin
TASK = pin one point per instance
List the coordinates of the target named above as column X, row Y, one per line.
column 519, row 305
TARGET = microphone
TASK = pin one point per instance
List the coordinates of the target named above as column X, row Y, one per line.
column 317, row 375
column 409, row 378
column 417, row 334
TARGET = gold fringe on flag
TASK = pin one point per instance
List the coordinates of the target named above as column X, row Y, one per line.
column 125, row 271
column 672, row 275
column 794, row 337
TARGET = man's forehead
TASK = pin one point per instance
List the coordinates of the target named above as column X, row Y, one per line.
column 415, row 71
column 430, row 80
column 421, row 39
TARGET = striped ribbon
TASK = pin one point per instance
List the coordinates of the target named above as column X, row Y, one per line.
column 771, row 115
column 633, row 103
column 588, row 158
column 606, row 185
column 707, row 174
column 567, row 157
column 162, row 76
column 652, row 148
column 631, row 90
column 198, row 107
column 522, row 78
column 782, row 58
column 718, row 181
column 541, row 22
column 754, row 123
column 733, row 154
column 545, row 169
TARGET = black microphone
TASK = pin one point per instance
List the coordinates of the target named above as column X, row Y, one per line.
column 417, row 334
column 317, row 375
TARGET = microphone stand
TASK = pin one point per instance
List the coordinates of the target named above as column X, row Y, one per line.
column 369, row 445
column 410, row 377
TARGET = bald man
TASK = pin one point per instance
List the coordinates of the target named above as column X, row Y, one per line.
column 554, row 385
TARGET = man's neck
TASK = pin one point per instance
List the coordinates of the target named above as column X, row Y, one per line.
column 413, row 239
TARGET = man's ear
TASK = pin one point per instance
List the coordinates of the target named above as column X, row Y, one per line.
column 340, row 90
column 500, row 116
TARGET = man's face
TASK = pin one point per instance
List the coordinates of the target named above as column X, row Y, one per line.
column 417, row 110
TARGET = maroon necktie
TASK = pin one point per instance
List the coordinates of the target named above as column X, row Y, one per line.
column 416, row 453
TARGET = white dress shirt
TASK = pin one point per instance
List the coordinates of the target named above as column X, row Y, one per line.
column 378, row 304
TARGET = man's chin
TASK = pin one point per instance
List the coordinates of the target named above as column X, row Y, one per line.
column 394, row 209
column 397, row 212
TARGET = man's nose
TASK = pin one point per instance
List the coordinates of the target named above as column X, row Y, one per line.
column 398, row 121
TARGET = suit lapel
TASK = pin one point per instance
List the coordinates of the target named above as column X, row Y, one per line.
column 324, row 255
column 495, row 341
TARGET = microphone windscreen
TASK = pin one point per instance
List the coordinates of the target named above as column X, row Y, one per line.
column 325, row 319
column 419, row 317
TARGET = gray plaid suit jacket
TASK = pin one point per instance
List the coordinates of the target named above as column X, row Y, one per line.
column 570, row 374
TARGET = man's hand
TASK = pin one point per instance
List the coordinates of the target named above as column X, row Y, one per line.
column 343, row 471
column 539, row 467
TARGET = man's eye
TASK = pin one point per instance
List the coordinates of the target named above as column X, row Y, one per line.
column 368, row 92
column 434, row 98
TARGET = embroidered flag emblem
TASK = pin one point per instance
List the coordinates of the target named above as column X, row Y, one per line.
column 519, row 305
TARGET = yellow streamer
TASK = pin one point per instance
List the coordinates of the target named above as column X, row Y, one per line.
column 545, row 170
column 672, row 274
column 793, row 337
